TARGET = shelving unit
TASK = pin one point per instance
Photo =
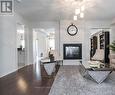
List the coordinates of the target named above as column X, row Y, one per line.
column 93, row 45
column 100, row 40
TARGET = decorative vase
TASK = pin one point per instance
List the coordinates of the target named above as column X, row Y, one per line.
column 51, row 58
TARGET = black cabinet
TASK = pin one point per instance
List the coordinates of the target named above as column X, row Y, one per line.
column 94, row 44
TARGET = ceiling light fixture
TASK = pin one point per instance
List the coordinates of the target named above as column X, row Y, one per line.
column 77, row 11
column 81, row 15
column 82, row 8
column 75, row 17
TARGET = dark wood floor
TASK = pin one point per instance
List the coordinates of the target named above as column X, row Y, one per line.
column 29, row 80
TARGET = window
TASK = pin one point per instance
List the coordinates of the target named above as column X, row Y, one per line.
column 52, row 43
column 20, row 38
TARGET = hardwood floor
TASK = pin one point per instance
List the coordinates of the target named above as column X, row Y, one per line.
column 29, row 80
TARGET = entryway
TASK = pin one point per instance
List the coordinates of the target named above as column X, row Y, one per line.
column 20, row 45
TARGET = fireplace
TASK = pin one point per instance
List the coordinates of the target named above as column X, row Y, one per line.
column 72, row 51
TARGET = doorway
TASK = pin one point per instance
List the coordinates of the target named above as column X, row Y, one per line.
column 43, row 41
column 20, row 45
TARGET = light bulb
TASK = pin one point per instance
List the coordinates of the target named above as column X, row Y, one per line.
column 77, row 11
column 75, row 18
column 81, row 15
column 82, row 8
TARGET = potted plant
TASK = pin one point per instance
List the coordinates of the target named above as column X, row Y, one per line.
column 112, row 54
column 112, row 46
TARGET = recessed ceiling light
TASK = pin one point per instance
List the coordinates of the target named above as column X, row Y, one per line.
column 75, row 18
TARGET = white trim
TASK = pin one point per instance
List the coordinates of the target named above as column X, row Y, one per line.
column 14, row 70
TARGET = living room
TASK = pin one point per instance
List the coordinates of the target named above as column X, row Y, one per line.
column 41, row 18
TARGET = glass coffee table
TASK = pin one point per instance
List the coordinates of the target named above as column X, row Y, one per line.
column 96, row 71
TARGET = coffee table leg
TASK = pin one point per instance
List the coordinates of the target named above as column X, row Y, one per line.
column 99, row 76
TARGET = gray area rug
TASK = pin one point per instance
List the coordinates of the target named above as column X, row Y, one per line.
column 69, row 81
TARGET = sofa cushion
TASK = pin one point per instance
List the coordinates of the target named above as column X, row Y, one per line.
column 112, row 60
column 99, row 55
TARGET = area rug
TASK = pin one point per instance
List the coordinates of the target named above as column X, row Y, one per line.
column 69, row 81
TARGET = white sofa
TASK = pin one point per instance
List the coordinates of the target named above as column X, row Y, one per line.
column 99, row 55
column 112, row 60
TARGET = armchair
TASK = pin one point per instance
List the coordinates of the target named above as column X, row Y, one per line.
column 99, row 55
column 112, row 60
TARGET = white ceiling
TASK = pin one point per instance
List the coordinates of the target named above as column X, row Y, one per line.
column 51, row 10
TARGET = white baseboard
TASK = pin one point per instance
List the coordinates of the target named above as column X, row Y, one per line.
column 3, row 75
column 14, row 71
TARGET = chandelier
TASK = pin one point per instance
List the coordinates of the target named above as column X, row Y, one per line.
column 80, row 6
column 79, row 11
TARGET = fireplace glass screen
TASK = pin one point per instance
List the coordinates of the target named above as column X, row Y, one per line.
column 72, row 51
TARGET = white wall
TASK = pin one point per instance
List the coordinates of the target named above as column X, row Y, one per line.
column 8, row 43
column 8, row 60
column 112, row 33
